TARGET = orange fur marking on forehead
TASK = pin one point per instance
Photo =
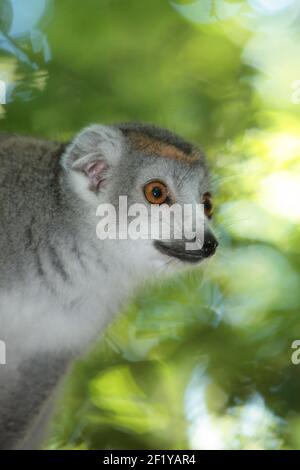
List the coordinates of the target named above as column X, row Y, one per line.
column 162, row 149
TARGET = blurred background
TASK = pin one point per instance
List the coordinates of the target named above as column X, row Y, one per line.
column 202, row 361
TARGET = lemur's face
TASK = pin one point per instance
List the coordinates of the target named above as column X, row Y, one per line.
column 160, row 168
column 154, row 182
column 152, row 168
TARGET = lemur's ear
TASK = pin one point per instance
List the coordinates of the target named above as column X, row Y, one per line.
column 93, row 152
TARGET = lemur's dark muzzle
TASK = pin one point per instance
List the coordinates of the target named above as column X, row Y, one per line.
column 210, row 245
column 177, row 249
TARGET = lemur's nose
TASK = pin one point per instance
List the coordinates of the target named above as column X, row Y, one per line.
column 210, row 245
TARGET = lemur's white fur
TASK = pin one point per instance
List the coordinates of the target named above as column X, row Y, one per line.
column 69, row 321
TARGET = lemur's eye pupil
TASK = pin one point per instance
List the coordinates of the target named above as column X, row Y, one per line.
column 156, row 192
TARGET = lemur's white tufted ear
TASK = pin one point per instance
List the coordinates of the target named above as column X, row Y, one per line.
column 93, row 152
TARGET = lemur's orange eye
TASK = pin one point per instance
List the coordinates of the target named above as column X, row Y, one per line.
column 156, row 192
column 208, row 205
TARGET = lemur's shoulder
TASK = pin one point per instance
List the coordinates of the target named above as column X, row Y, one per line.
column 29, row 170
column 30, row 197
column 27, row 152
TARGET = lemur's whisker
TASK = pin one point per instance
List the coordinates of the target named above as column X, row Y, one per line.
column 222, row 255
column 234, row 221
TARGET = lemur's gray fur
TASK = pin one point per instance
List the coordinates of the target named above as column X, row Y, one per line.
column 59, row 284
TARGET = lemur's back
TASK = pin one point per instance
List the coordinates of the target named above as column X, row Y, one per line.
column 49, row 282
column 29, row 174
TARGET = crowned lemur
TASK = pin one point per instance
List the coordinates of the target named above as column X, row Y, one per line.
column 59, row 283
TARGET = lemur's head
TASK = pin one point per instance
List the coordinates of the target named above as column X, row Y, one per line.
column 152, row 167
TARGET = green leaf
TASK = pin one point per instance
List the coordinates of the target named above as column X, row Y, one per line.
column 6, row 16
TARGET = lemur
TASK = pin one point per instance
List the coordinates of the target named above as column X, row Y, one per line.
column 59, row 284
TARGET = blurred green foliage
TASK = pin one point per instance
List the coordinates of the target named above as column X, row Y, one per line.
column 203, row 360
